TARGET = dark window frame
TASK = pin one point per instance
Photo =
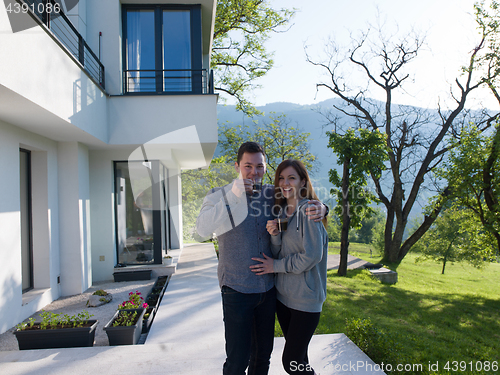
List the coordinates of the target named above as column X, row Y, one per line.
column 30, row 219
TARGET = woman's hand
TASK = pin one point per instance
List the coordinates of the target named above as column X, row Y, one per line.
column 272, row 227
column 266, row 265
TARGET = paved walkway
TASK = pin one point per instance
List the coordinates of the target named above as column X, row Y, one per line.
column 352, row 262
column 186, row 337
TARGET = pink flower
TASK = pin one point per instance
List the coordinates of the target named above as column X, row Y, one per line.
column 145, row 305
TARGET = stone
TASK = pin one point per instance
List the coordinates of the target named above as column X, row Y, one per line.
column 385, row 275
column 95, row 300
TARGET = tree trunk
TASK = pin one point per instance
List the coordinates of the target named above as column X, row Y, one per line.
column 446, row 255
column 346, row 220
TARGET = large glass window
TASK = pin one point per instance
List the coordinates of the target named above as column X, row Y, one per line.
column 141, row 50
column 177, row 50
column 140, row 204
column 162, row 49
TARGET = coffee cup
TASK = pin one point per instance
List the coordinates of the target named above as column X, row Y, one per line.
column 282, row 224
column 257, row 185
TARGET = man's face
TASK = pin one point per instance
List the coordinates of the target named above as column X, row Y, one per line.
column 251, row 166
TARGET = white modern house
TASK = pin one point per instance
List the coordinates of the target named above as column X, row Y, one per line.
column 101, row 106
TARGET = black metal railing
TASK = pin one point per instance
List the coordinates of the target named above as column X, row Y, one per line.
column 189, row 81
column 51, row 15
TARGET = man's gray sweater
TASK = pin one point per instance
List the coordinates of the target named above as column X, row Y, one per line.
column 240, row 226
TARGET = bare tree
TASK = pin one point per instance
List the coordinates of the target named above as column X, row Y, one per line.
column 416, row 138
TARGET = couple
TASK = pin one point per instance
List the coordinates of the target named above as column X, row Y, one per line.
column 252, row 249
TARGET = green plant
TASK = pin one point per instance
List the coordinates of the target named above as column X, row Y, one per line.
column 100, row 292
column 125, row 319
column 52, row 320
column 372, row 341
column 135, row 301
column 23, row 325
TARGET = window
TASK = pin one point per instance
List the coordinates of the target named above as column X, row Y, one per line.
column 141, row 208
column 162, row 49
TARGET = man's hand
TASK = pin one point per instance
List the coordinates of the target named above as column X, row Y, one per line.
column 316, row 210
column 242, row 185
column 266, row 266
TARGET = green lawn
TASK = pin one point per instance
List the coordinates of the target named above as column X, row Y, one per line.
column 433, row 317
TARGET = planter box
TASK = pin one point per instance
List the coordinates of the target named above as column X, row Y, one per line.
column 125, row 335
column 153, row 300
column 132, row 275
column 146, row 322
column 56, row 338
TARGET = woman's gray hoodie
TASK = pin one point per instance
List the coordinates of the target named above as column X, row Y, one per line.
column 300, row 262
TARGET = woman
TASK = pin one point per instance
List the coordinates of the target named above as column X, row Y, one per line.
column 300, row 254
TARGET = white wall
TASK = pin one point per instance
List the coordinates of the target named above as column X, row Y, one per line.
column 45, row 225
column 162, row 114
column 74, row 213
column 105, row 17
column 102, row 218
column 55, row 82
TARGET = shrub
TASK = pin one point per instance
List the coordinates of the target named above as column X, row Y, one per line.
column 375, row 343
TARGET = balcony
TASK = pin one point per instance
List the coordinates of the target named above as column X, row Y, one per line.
column 168, row 81
column 50, row 14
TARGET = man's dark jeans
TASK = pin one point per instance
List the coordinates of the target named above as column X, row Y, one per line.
column 249, row 331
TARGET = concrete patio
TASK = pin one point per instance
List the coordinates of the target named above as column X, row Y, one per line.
column 187, row 337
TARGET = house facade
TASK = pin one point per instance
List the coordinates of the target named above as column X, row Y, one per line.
column 101, row 107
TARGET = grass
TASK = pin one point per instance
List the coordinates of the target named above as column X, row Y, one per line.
column 433, row 317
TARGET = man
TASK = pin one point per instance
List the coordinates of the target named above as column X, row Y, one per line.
column 238, row 215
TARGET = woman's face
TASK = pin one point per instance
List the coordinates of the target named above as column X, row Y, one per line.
column 290, row 183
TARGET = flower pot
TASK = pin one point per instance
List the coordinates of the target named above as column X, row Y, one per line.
column 56, row 338
column 132, row 275
column 153, row 300
column 161, row 281
column 167, row 261
column 125, row 335
column 146, row 322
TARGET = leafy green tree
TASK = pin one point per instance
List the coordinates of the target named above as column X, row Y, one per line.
column 472, row 173
column 279, row 139
column 333, row 229
column 361, row 153
column 456, row 236
column 239, row 56
column 196, row 184
column 365, row 232
column 378, row 237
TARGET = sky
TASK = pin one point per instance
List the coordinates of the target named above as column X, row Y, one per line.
column 448, row 25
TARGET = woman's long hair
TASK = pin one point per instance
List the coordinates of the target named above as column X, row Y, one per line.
column 306, row 191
